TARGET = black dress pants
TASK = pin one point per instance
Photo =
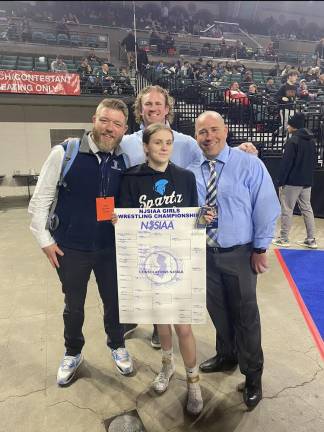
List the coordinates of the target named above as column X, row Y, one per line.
column 74, row 273
column 232, row 306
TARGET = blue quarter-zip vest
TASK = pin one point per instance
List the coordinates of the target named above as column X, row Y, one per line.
column 76, row 207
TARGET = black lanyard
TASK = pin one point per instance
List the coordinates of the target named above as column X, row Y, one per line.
column 104, row 177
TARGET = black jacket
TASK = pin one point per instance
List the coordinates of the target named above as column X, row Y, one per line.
column 298, row 162
column 288, row 91
column 142, row 186
column 129, row 42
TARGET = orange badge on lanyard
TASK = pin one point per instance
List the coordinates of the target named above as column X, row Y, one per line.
column 105, row 208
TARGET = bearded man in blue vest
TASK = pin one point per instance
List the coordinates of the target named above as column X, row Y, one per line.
column 82, row 242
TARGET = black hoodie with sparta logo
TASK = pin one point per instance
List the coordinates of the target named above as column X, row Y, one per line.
column 144, row 187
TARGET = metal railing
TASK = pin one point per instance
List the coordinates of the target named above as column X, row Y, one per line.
column 256, row 118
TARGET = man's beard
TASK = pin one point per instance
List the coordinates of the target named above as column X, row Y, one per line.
column 103, row 146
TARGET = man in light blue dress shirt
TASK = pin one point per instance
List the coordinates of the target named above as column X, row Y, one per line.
column 154, row 105
column 247, row 208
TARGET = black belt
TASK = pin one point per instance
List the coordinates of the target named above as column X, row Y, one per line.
column 224, row 250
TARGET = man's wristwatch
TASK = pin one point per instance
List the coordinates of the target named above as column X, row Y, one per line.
column 259, row 250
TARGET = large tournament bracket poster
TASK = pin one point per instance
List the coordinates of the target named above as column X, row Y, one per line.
column 161, row 266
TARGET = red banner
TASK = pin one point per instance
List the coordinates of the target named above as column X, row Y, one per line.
column 32, row 82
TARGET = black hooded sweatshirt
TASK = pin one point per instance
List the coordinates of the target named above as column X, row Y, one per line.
column 298, row 162
column 142, row 186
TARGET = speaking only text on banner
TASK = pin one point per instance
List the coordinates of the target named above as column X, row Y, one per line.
column 31, row 82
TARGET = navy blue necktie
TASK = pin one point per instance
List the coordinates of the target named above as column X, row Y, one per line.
column 211, row 201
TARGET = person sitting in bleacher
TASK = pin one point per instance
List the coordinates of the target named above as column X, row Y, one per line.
column 155, row 40
column 105, row 79
column 235, row 93
column 270, row 87
column 303, row 92
column 320, row 81
column 62, row 28
column 93, row 60
column 160, row 66
column 186, row 70
column 253, row 90
column 247, row 77
column 86, row 73
column 58, row 65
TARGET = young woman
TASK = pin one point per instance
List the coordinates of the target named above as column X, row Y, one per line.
column 141, row 186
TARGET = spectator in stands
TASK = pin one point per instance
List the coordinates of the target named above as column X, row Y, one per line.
column 160, row 66
column 238, row 48
column 62, row 28
column 270, row 52
column 270, row 87
column 142, row 59
column 235, row 93
column 286, row 97
column 274, row 72
column 155, row 40
column 129, row 43
column 84, row 68
column 320, row 81
column 26, row 33
column 214, row 75
column 247, row 77
column 176, row 68
column 58, row 65
column 284, row 72
column 93, row 60
column 186, row 70
column 253, row 90
column 312, row 74
column 302, row 91
column 87, row 77
column 288, row 91
column 315, row 73
column 105, row 79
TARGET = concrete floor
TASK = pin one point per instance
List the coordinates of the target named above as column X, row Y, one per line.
column 31, row 347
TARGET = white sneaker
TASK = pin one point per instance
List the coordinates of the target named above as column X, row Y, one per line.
column 68, row 368
column 123, row 361
column 161, row 382
column 310, row 243
column 195, row 402
column 281, row 243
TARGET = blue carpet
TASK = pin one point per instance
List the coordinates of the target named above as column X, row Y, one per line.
column 306, row 267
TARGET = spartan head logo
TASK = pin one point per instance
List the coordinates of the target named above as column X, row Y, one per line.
column 160, row 186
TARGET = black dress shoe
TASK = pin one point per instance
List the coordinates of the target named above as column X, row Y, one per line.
column 252, row 394
column 218, row 364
